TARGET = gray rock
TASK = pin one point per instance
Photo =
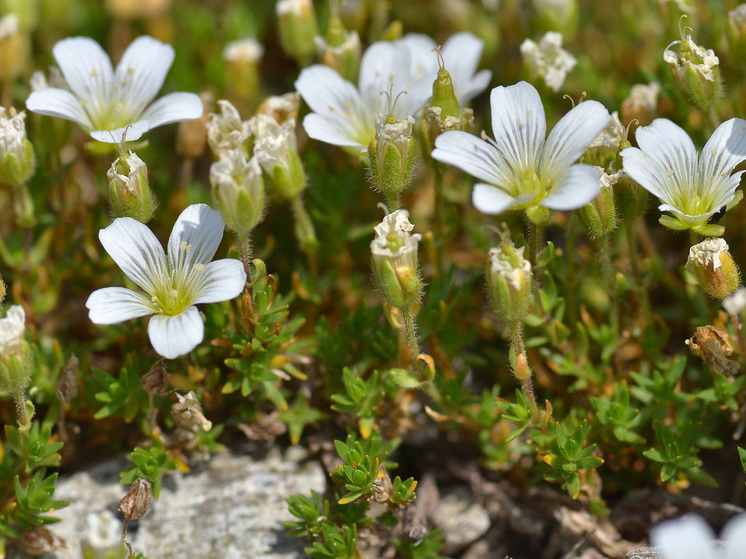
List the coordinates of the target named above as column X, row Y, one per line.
column 231, row 509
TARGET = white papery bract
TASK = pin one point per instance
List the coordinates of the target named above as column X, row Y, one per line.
column 173, row 283
column 106, row 102
column 691, row 186
column 344, row 115
column 522, row 167
column 689, row 537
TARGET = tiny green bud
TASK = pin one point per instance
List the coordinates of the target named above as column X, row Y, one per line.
column 276, row 150
column 443, row 94
column 129, row 192
column 297, row 25
column 238, row 191
column 630, row 199
column 695, row 70
column 714, row 267
column 509, row 281
column 599, row 217
column 394, row 260
column 339, row 49
column 392, row 154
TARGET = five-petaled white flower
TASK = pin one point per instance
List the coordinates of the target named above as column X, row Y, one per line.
column 689, row 537
column 522, row 167
column 344, row 115
column 105, row 102
column 174, row 283
column 692, row 187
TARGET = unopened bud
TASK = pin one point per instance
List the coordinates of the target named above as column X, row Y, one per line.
column 714, row 267
column 641, row 105
column 243, row 68
column 15, row 352
column 695, row 70
column 297, row 24
column 129, row 192
column 392, row 155
column 599, row 216
column 630, row 199
column 339, row 49
column 238, row 191
column 11, row 48
column 509, row 280
column 281, row 107
column 276, row 150
column 521, row 369
column 135, row 503
column 394, row 260
column 155, row 381
column 548, row 60
column 17, row 160
column 191, row 135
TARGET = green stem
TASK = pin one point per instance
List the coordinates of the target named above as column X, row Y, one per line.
column 20, row 400
column 608, row 271
column 305, row 232
column 570, row 275
column 438, row 215
column 639, row 282
column 410, row 334
column 244, row 247
column 536, row 240
column 524, row 376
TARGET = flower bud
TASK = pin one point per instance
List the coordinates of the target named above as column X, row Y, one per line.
column 641, row 105
column 191, row 135
column 547, row 60
column 129, row 192
column 391, row 154
column 696, row 71
column 238, row 191
column 736, row 31
column 17, row 160
column 339, row 49
column 297, row 24
column 11, row 48
column 276, row 150
column 394, row 260
column 714, row 267
column 135, row 503
column 599, row 216
column 509, row 281
column 630, row 199
column 155, row 381
column 226, row 131
column 243, row 68
column 281, row 107
column 15, row 352
column 558, row 15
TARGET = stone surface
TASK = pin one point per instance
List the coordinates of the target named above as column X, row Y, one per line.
column 232, row 508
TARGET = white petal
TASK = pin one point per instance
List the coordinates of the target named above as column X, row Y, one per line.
column 725, row 149
column 334, row 132
column 471, row 154
column 223, row 280
column 195, row 237
column 734, row 535
column 88, row 72
column 576, row 187
column 136, row 251
column 674, row 150
column 60, row 103
column 141, row 73
column 519, row 124
column 569, row 139
column 174, row 107
column 688, row 537
column 462, row 53
column 491, row 200
column 324, row 90
column 133, row 132
column 649, row 173
column 112, row 305
column 177, row 335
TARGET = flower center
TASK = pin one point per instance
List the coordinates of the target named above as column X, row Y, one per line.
column 178, row 289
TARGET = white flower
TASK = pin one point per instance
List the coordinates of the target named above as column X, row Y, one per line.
column 461, row 55
column 691, row 186
column 523, row 167
column 226, row 131
column 548, row 59
column 344, row 115
column 174, row 283
column 105, row 102
column 689, row 537
column 12, row 329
